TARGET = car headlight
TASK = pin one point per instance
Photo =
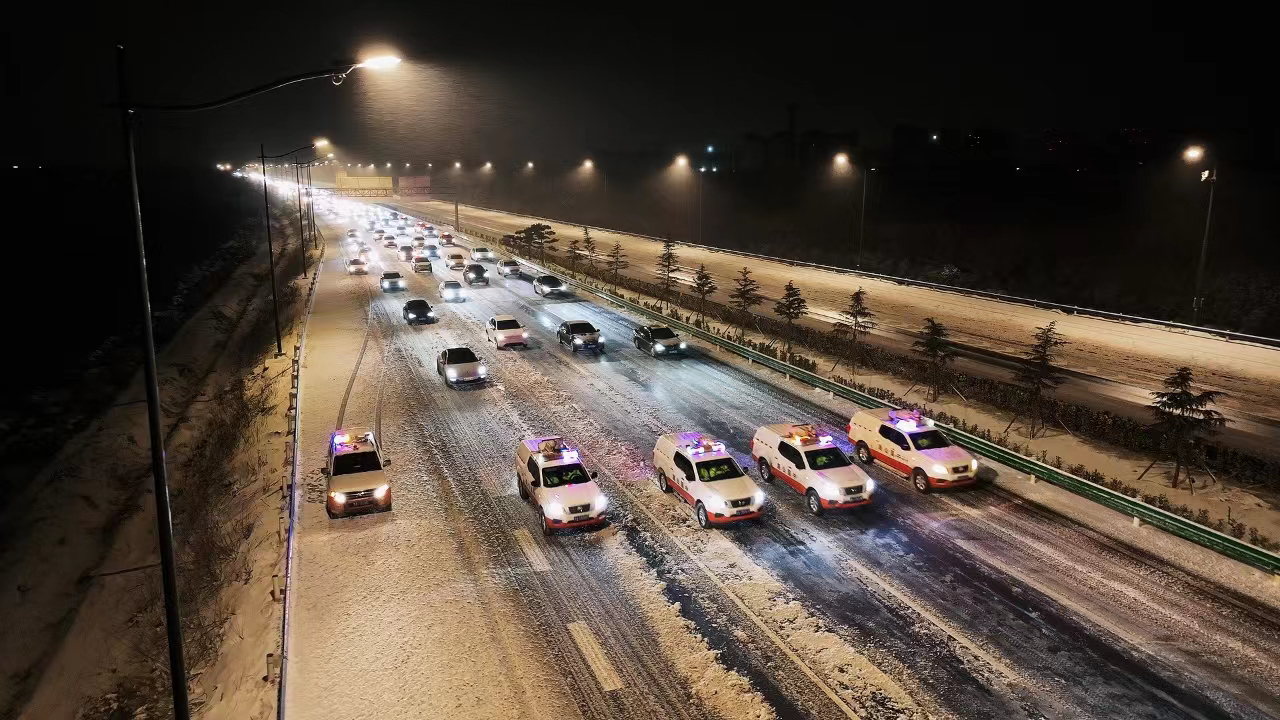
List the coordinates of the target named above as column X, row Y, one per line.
column 973, row 465
column 683, row 345
column 719, row 503
column 431, row 313
column 381, row 491
column 451, row 373
column 759, row 497
column 940, row 469
column 524, row 335
column 484, row 369
column 412, row 316
column 471, row 275
column 602, row 503
column 871, row 485
column 577, row 341
column 554, row 508
column 384, row 283
column 599, row 338
column 659, row 347
column 833, row 490
column 400, row 283
column 338, row 497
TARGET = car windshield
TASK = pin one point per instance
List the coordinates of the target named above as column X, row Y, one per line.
column 825, row 458
column 929, row 440
column 419, row 258
column 391, row 275
column 549, row 281
column 581, row 328
column 461, row 355
column 507, row 325
column 356, row 462
column 718, row 469
column 662, row 334
column 481, row 250
column 453, row 285
column 510, row 263
column 476, row 268
column 357, row 261
column 564, row 475
column 417, row 305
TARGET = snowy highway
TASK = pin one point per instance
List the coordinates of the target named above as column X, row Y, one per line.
column 971, row 604
column 1111, row 365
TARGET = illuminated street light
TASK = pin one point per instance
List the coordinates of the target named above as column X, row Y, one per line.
column 1193, row 154
column 588, row 164
column 320, row 142
column 457, row 164
column 329, row 155
column 529, row 164
column 406, row 164
column 488, row 165
column 710, row 149
column 702, row 169
column 429, row 165
column 682, row 160
column 388, row 164
column 380, row 63
column 842, row 158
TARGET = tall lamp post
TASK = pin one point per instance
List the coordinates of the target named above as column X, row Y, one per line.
column 1195, row 154
column 164, row 518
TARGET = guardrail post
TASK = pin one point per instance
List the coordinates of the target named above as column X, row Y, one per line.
column 275, row 588
column 273, row 667
column 1033, row 479
column 1137, row 521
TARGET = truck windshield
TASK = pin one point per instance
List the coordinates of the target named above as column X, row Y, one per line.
column 928, row 440
column 356, row 462
column 825, row 458
column 564, row 475
column 718, row 469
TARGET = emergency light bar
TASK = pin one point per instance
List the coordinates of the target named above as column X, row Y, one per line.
column 705, row 447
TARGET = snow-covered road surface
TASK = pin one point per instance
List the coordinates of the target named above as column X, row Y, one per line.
column 1113, row 365
column 970, row 604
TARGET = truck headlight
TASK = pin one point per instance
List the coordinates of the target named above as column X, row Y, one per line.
column 554, row 508
column 940, row 469
column 381, row 491
column 719, row 503
column 484, row 370
column 451, row 373
column 871, row 485
column 973, row 465
column 759, row 497
column 338, row 497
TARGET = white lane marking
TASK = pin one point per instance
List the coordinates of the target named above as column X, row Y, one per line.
column 532, row 552
column 594, row 655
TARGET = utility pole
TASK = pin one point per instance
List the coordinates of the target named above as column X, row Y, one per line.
column 1198, row 301
column 159, row 472
column 302, row 234
column 271, row 253
column 862, row 216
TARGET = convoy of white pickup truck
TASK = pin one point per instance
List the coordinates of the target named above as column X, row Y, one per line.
column 699, row 469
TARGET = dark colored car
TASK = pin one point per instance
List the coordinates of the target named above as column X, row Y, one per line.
column 406, row 252
column 658, row 340
column 419, row 311
column 580, row 335
column 475, row 274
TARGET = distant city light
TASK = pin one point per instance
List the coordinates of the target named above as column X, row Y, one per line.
column 1193, row 153
column 842, row 158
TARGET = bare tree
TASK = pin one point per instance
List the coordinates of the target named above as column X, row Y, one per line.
column 1038, row 374
column 791, row 307
column 1183, row 417
column 936, row 349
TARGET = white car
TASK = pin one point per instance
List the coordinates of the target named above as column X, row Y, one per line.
column 451, row 290
column 460, row 365
column 388, row 241
column 357, row 266
column 356, row 480
column 546, row 285
column 482, row 254
column 505, row 330
column 392, row 281
column 419, row 241
column 550, row 475
column 699, row 470
column 909, row 443
column 508, row 268
column 812, row 465
column 421, row 263
column 455, row 261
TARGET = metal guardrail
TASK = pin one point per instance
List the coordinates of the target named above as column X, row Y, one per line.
column 1043, row 304
column 1173, row 524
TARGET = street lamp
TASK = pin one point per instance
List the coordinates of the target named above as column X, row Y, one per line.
column 588, row 164
column 1194, row 154
column 159, row 471
column 682, row 160
column 320, row 142
column 457, row 164
column 529, row 164
column 488, row 165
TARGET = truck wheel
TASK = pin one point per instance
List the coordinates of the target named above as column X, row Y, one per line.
column 546, row 524
column 864, row 453
column 766, row 474
column 663, row 485
column 813, row 502
column 920, row 480
column 704, row 522
column 524, row 494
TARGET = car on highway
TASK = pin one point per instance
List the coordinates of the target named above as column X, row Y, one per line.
column 509, row 268
column 431, row 232
column 550, row 475
column 406, row 252
column 505, row 330
column 353, row 233
column 421, row 263
column 460, row 365
column 419, row 241
column 431, row 251
column 812, row 465
column 377, row 234
column 446, row 239
column 658, row 340
column 392, row 281
column 547, row 285
column 910, row 444
column 400, row 229
column 418, row 311
column 356, row 481
column 364, row 253
column 357, row 266
column 455, row 261
column 476, row 274
column 703, row 474
column 451, row 290
column 580, row 335
column 482, row 254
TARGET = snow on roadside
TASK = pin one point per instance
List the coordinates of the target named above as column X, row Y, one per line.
column 724, row 691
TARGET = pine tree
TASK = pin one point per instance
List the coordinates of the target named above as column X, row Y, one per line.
column 572, row 258
column 861, row 321
column 704, row 285
column 617, row 263
column 791, row 307
column 537, row 236
column 667, row 265
column 1183, row 417
column 746, row 292
column 589, row 247
column 936, row 349
column 1038, row 373
column 548, row 239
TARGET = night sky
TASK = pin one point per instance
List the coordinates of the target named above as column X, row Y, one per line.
column 484, row 82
